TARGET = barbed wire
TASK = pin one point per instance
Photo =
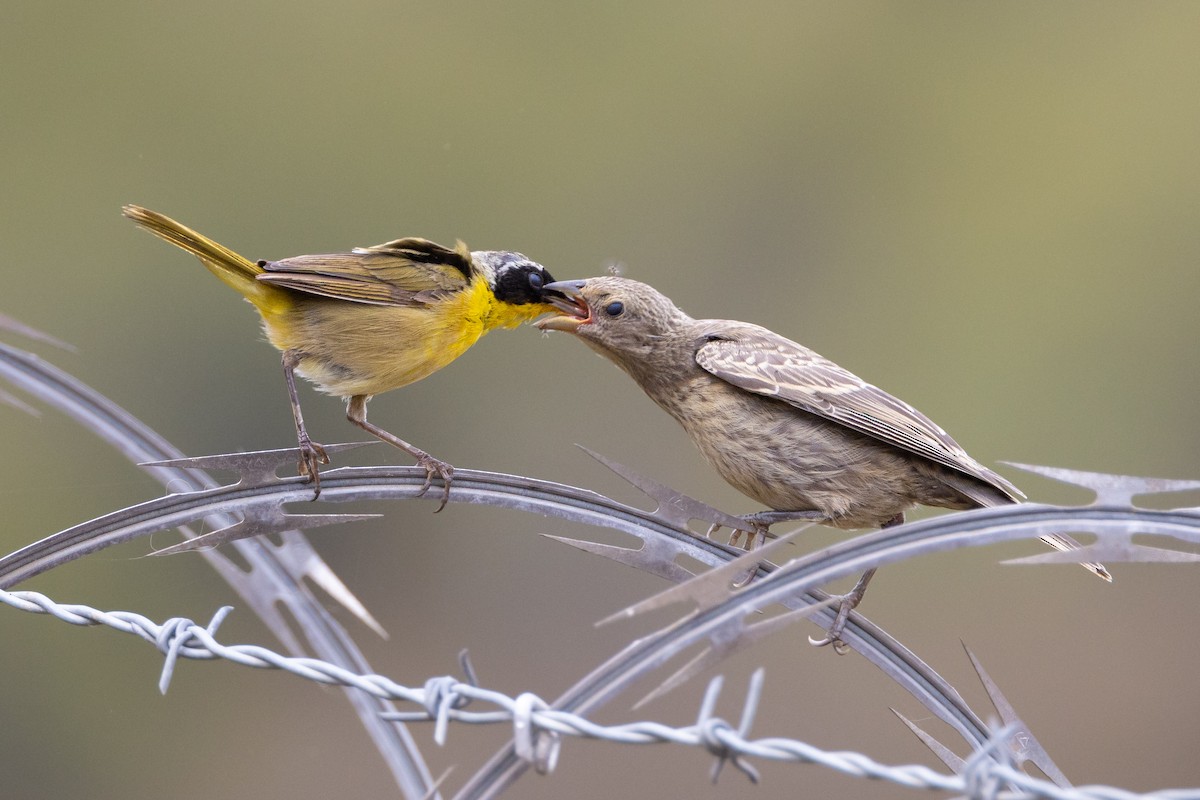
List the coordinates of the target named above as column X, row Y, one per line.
column 537, row 728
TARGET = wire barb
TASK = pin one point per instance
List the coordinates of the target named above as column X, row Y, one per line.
column 539, row 748
column 1109, row 489
column 1021, row 745
column 254, row 468
column 979, row 769
column 260, row 519
column 176, row 634
column 673, row 507
column 713, row 729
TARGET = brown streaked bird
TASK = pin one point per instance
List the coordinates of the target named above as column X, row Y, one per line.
column 376, row 318
column 780, row 423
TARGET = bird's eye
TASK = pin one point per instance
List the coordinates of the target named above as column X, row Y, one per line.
column 536, row 280
column 615, row 308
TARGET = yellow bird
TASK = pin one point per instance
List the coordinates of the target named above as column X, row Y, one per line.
column 377, row 318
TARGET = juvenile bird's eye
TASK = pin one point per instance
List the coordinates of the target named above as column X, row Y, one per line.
column 615, row 308
column 536, row 280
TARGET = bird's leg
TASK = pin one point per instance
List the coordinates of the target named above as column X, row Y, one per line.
column 356, row 412
column 849, row 602
column 311, row 453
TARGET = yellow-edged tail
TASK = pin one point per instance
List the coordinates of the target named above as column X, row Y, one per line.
column 233, row 269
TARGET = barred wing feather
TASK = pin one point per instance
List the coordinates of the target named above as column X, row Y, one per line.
column 758, row 360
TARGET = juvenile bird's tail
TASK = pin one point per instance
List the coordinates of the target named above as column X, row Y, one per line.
column 1059, row 541
column 1064, row 543
column 233, row 269
column 1002, row 493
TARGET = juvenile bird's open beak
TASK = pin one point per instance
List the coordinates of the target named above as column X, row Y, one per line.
column 566, row 296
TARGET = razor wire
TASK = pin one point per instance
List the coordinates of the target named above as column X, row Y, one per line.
column 989, row 772
column 537, row 727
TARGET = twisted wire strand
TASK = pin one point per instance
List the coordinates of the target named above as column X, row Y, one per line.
column 538, row 728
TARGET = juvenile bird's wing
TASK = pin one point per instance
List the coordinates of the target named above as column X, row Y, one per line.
column 761, row 361
column 403, row 272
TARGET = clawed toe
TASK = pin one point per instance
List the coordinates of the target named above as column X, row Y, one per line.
column 433, row 466
column 755, row 533
column 312, row 455
column 834, row 635
column 839, row 647
column 849, row 602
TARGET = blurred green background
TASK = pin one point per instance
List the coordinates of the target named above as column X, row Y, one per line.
column 987, row 209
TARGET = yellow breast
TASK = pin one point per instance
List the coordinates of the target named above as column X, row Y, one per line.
column 353, row 348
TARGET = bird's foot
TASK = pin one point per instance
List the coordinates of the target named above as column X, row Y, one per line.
column 758, row 526
column 849, row 602
column 435, row 466
column 756, row 532
column 311, row 456
column 755, row 535
column 834, row 635
column 749, row 538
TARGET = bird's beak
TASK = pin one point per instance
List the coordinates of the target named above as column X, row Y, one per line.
column 566, row 296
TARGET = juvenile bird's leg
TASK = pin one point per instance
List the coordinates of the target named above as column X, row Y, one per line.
column 311, row 453
column 850, row 600
column 356, row 412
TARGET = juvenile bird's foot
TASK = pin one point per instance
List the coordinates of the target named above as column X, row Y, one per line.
column 748, row 538
column 754, row 539
column 850, row 600
column 759, row 524
column 757, row 531
column 311, row 456
column 434, row 466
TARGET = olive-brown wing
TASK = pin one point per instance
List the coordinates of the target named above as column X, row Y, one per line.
column 404, row 272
